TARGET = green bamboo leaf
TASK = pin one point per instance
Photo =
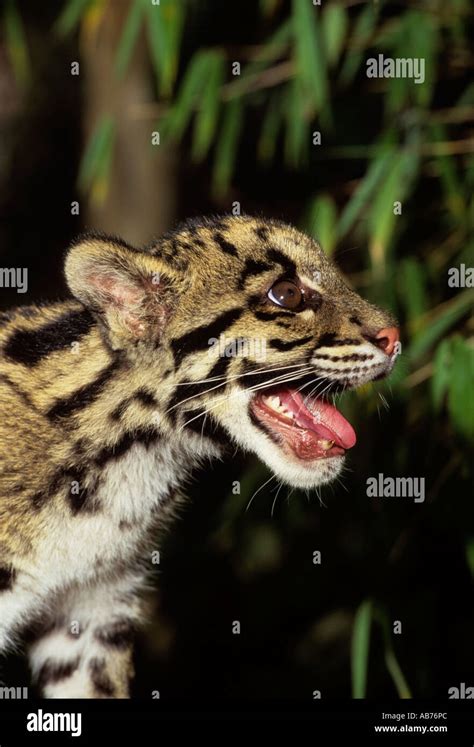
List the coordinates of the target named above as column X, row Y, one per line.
column 310, row 57
column 129, row 36
column 70, row 16
column 297, row 128
column 382, row 216
column 271, row 50
column 16, row 44
column 96, row 156
column 364, row 192
column 391, row 662
column 470, row 555
column 206, row 118
column 193, row 83
column 467, row 96
column 363, row 30
column 276, row 43
column 428, row 336
column 360, row 649
column 441, row 373
column 227, row 144
column 398, row 678
column 452, row 185
column 271, row 124
column 321, row 222
column 416, row 30
column 165, row 25
column 413, row 283
column 334, row 30
column 424, row 33
column 461, row 390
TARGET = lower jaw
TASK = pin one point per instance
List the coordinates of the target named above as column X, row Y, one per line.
column 304, row 474
column 297, row 446
column 302, row 456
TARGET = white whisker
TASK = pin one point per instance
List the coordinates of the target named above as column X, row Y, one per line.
column 273, row 477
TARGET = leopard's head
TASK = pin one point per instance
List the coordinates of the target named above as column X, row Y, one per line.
column 260, row 331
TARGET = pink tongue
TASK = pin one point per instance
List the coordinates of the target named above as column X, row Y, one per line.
column 322, row 418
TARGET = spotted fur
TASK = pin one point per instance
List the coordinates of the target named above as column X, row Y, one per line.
column 110, row 399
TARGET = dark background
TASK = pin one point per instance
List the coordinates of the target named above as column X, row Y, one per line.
column 220, row 563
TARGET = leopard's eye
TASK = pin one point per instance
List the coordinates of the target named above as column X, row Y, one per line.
column 286, row 293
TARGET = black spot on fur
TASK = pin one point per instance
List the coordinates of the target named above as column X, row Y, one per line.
column 326, row 340
column 7, row 578
column 126, row 526
column 225, row 245
column 38, row 629
column 269, row 316
column 83, row 396
column 185, row 391
column 41, row 497
column 329, row 340
column 255, row 300
column 25, row 398
column 290, row 344
column 19, row 488
column 103, row 685
column 219, row 368
column 262, row 232
column 275, row 255
column 355, row 320
column 54, row 671
column 336, row 358
column 143, row 436
column 143, row 396
column 30, row 347
column 198, row 338
column 252, row 268
column 119, row 634
column 81, row 498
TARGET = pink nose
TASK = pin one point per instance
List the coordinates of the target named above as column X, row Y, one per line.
column 387, row 339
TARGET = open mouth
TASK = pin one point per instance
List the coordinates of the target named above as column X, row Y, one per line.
column 307, row 427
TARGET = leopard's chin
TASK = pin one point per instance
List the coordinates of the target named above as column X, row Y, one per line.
column 309, row 435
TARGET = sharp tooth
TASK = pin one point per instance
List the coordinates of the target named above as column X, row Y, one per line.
column 326, row 445
column 273, row 402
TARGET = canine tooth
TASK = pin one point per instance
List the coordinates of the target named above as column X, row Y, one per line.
column 273, row 402
column 326, row 444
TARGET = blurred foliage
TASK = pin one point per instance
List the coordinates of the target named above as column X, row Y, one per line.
column 382, row 142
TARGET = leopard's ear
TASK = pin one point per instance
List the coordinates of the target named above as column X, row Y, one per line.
column 124, row 287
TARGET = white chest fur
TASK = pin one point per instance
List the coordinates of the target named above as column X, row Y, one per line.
column 79, row 547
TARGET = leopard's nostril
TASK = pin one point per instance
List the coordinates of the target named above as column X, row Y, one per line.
column 387, row 339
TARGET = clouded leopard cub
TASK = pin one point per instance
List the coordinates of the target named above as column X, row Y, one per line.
column 228, row 330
